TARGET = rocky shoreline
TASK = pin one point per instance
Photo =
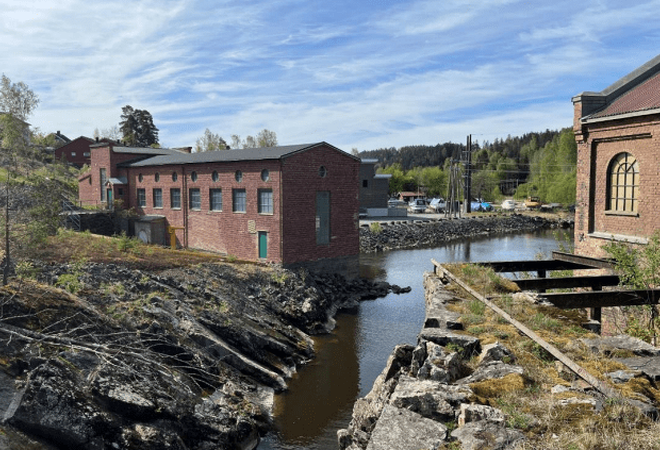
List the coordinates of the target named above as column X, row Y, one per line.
column 392, row 235
column 96, row 356
column 442, row 392
column 425, row 396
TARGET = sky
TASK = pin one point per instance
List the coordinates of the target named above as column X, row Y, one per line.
column 358, row 74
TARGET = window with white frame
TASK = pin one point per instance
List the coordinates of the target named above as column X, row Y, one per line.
column 265, row 205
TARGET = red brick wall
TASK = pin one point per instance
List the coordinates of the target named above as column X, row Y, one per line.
column 219, row 231
column 301, row 182
column 602, row 142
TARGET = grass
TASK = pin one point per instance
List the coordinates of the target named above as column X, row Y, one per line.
column 69, row 246
column 527, row 401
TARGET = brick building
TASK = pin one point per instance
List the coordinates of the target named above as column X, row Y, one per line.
column 286, row 204
column 77, row 152
column 618, row 170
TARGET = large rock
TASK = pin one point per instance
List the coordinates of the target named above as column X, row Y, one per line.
column 608, row 344
column 468, row 345
column 401, row 429
column 430, row 399
column 484, row 434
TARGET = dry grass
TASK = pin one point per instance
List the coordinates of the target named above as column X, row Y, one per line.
column 69, row 246
column 528, row 403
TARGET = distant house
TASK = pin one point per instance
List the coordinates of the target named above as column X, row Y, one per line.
column 77, row 152
column 286, row 204
column 618, row 177
column 59, row 139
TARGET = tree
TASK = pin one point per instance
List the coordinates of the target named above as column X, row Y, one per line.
column 137, row 127
column 17, row 102
column 266, row 138
column 210, row 142
column 17, row 99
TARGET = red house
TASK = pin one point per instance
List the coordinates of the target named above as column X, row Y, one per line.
column 288, row 204
column 77, row 152
column 618, row 137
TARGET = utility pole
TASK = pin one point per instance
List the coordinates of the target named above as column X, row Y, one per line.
column 468, row 175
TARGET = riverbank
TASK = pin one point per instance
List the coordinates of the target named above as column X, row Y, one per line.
column 473, row 382
column 428, row 231
column 105, row 356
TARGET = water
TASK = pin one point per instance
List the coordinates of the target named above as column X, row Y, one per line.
column 321, row 396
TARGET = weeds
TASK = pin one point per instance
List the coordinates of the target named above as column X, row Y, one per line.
column 375, row 227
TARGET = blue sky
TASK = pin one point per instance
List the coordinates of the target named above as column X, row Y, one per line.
column 357, row 74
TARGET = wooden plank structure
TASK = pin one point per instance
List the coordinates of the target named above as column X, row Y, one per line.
column 594, row 299
column 554, row 351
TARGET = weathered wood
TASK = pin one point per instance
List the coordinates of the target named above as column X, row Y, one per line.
column 531, row 265
column 602, row 299
column 534, row 284
column 554, row 351
column 597, row 263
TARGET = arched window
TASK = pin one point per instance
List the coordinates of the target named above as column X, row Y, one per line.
column 623, row 184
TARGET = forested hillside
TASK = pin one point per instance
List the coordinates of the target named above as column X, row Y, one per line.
column 533, row 164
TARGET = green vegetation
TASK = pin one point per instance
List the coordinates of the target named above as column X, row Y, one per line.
column 527, row 401
column 639, row 268
column 542, row 164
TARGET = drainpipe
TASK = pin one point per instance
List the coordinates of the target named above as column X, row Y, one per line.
column 184, row 204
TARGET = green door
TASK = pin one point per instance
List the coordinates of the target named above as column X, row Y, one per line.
column 263, row 244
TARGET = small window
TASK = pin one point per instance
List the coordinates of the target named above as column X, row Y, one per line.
column 265, row 201
column 215, row 199
column 120, row 192
column 265, row 175
column 238, row 176
column 195, row 199
column 175, row 198
column 87, row 154
column 239, row 200
column 193, row 176
column 215, row 177
column 140, row 178
column 157, row 177
column 323, row 172
column 141, row 198
column 365, row 183
column 174, row 176
column 158, row 198
column 73, row 153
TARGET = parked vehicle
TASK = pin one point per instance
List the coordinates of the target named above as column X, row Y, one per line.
column 417, row 206
column 438, row 205
column 508, row 205
column 478, row 204
column 395, row 203
column 533, row 203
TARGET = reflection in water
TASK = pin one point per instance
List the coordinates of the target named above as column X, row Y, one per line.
column 320, row 398
column 323, row 393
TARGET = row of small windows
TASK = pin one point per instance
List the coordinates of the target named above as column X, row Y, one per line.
column 238, row 176
column 239, row 199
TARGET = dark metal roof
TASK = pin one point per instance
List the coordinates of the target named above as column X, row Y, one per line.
column 246, row 154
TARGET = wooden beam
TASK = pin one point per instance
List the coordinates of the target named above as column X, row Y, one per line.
column 536, row 284
column 532, row 265
column 602, row 299
column 554, row 351
column 597, row 263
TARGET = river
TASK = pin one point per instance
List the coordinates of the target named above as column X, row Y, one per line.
column 321, row 395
